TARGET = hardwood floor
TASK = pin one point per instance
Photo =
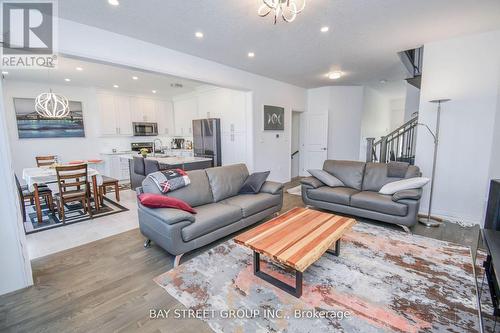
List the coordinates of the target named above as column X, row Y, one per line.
column 107, row 286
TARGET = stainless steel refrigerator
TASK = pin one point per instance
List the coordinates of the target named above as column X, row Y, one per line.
column 207, row 139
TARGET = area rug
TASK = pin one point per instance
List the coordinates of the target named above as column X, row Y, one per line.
column 73, row 211
column 297, row 190
column 384, row 281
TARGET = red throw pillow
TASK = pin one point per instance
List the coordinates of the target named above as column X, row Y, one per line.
column 151, row 200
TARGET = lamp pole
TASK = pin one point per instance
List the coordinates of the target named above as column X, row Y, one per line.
column 428, row 221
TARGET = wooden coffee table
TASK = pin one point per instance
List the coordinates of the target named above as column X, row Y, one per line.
column 295, row 239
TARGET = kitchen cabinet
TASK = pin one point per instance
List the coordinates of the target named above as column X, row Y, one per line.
column 116, row 167
column 185, row 110
column 143, row 110
column 233, row 148
column 115, row 115
column 165, row 118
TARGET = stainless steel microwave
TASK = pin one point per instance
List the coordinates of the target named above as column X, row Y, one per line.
column 145, row 129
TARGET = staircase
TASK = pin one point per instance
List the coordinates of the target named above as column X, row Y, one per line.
column 413, row 60
column 399, row 145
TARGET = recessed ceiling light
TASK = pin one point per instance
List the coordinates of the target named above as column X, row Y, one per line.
column 5, row 72
column 79, row 69
column 116, row 86
column 67, row 80
column 153, row 91
column 251, row 54
column 324, row 29
column 383, row 81
column 199, row 34
column 335, row 75
column 114, row 2
column 135, row 78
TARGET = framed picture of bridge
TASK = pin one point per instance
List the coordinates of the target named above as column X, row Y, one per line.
column 274, row 118
column 30, row 125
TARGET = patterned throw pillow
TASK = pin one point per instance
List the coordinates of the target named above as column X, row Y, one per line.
column 170, row 180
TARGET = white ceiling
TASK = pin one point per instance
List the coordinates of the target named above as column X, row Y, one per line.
column 104, row 76
column 363, row 41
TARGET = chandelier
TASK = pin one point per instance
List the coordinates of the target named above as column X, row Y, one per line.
column 287, row 9
column 51, row 105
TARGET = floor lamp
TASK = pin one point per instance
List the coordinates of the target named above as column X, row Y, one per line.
column 428, row 220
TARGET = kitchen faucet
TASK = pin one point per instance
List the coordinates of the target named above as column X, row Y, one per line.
column 154, row 146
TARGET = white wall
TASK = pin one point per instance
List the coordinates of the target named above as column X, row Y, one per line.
column 14, row 261
column 397, row 111
column 67, row 149
column 495, row 155
column 412, row 101
column 465, row 69
column 269, row 152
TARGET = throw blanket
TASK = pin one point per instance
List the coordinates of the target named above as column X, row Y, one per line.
column 170, row 180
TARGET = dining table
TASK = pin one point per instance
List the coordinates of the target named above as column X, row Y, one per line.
column 47, row 175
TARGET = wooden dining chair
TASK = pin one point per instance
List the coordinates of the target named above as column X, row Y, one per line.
column 45, row 160
column 73, row 184
column 25, row 194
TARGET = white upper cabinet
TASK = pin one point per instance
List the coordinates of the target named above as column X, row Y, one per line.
column 185, row 110
column 143, row 110
column 165, row 118
column 123, row 115
column 106, row 105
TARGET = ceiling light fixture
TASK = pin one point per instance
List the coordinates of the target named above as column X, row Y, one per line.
column 67, row 80
column 5, row 73
column 114, row 2
column 383, row 81
column 335, row 75
column 287, row 9
column 79, row 69
column 199, row 34
column 251, row 54
column 135, row 78
column 50, row 105
column 153, row 91
column 116, row 86
column 324, row 29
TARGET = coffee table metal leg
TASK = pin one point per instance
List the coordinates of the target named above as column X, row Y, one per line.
column 295, row 291
column 335, row 252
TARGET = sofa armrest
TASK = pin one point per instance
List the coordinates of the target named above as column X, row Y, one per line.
column 312, row 182
column 413, row 194
column 169, row 216
column 271, row 187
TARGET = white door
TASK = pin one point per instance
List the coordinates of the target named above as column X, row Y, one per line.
column 316, row 141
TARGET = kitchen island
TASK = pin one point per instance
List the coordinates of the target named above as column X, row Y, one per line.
column 165, row 162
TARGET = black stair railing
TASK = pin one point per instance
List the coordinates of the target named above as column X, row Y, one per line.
column 399, row 145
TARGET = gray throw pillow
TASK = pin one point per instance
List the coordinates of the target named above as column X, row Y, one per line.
column 326, row 178
column 254, row 182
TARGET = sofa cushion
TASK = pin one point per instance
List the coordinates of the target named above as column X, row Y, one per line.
column 254, row 182
column 195, row 194
column 376, row 176
column 325, row 177
column 251, row 204
column 226, row 181
column 211, row 217
column 338, row 195
column 152, row 200
column 348, row 172
column 404, row 184
column 379, row 203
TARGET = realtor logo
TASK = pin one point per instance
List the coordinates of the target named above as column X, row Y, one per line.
column 28, row 34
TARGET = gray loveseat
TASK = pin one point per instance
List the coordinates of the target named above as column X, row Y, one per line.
column 220, row 209
column 360, row 197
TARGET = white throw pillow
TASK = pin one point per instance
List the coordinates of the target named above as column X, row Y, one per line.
column 326, row 178
column 404, row 184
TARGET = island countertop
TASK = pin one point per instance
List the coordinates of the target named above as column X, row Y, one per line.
column 172, row 160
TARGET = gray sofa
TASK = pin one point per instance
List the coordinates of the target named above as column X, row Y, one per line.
column 360, row 195
column 220, row 209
